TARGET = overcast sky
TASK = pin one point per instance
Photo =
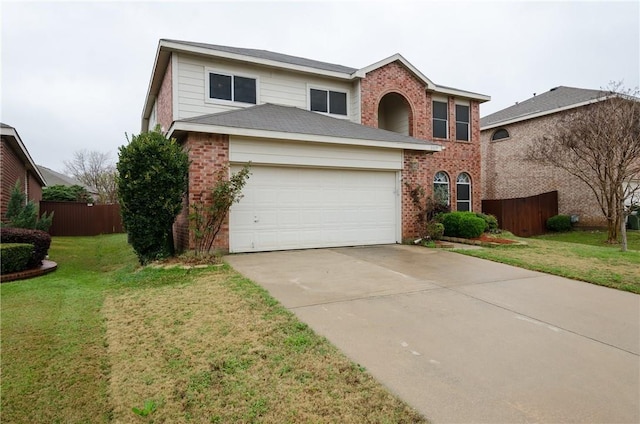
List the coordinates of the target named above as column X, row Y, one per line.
column 75, row 74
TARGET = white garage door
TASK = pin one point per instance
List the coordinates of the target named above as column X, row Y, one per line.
column 296, row 208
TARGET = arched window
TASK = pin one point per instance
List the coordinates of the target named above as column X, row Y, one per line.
column 463, row 192
column 441, row 187
column 500, row 134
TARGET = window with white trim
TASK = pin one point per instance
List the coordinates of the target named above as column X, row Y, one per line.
column 440, row 119
column 232, row 88
column 500, row 134
column 328, row 101
column 462, row 123
column 463, row 192
column 441, row 187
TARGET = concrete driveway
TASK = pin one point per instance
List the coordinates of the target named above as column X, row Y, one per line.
column 463, row 339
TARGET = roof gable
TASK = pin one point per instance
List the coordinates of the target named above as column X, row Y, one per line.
column 13, row 138
column 555, row 100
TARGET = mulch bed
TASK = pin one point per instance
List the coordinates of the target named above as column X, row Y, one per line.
column 490, row 239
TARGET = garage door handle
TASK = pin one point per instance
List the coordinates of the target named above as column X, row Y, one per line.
column 255, row 219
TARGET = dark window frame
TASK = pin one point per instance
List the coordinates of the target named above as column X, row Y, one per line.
column 330, row 101
column 237, row 83
column 462, row 123
column 438, row 119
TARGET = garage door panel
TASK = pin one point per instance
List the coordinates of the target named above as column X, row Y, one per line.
column 294, row 208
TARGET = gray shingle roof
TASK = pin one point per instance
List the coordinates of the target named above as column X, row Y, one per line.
column 288, row 119
column 277, row 57
column 55, row 178
column 556, row 98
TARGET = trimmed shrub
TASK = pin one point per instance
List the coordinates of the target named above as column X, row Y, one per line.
column 15, row 257
column 153, row 174
column 39, row 239
column 490, row 220
column 559, row 223
column 462, row 224
column 434, row 230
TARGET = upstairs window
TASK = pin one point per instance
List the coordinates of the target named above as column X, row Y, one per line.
column 500, row 134
column 327, row 101
column 462, row 123
column 233, row 88
column 440, row 119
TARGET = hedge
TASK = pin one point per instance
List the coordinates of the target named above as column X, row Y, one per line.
column 39, row 239
column 559, row 223
column 462, row 224
column 15, row 257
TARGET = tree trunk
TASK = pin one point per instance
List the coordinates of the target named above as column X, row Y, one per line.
column 623, row 227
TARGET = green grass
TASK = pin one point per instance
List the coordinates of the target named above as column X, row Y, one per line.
column 102, row 340
column 593, row 238
column 580, row 255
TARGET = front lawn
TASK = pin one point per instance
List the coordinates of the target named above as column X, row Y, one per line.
column 580, row 255
column 593, row 238
column 100, row 337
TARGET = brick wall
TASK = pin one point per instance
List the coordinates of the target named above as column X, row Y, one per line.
column 507, row 175
column 208, row 153
column 419, row 167
column 12, row 170
column 164, row 103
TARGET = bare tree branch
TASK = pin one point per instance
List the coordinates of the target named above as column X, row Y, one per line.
column 600, row 145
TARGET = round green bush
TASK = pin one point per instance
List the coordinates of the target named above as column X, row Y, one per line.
column 559, row 223
column 491, row 222
column 463, row 224
column 435, row 230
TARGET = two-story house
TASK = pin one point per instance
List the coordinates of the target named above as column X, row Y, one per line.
column 333, row 149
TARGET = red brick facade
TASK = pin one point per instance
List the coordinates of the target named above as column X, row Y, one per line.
column 13, row 169
column 164, row 105
column 420, row 168
column 207, row 154
column 507, row 175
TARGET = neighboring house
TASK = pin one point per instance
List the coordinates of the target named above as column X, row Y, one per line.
column 507, row 134
column 332, row 148
column 56, row 178
column 16, row 164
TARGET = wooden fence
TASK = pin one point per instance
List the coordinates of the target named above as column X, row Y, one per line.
column 524, row 216
column 82, row 219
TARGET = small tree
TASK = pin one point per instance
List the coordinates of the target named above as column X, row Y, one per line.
column 209, row 212
column 427, row 207
column 62, row 193
column 152, row 180
column 600, row 145
column 24, row 214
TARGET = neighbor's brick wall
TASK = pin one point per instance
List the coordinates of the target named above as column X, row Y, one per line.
column 165, row 99
column 12, row 170
column 507, row 175
column 458, row 156
column 34, row 189
column 208, row 153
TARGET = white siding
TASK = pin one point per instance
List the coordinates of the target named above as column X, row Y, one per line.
column 260, row 151
column 276, row 86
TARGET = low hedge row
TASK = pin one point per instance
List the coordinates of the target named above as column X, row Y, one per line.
column 15, row 257
column 39, row 239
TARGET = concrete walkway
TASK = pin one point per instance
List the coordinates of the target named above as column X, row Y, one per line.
column 463, row 339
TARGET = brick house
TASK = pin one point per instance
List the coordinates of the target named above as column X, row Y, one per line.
column 507, row 134
column 16, row 164
column 331, row 147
